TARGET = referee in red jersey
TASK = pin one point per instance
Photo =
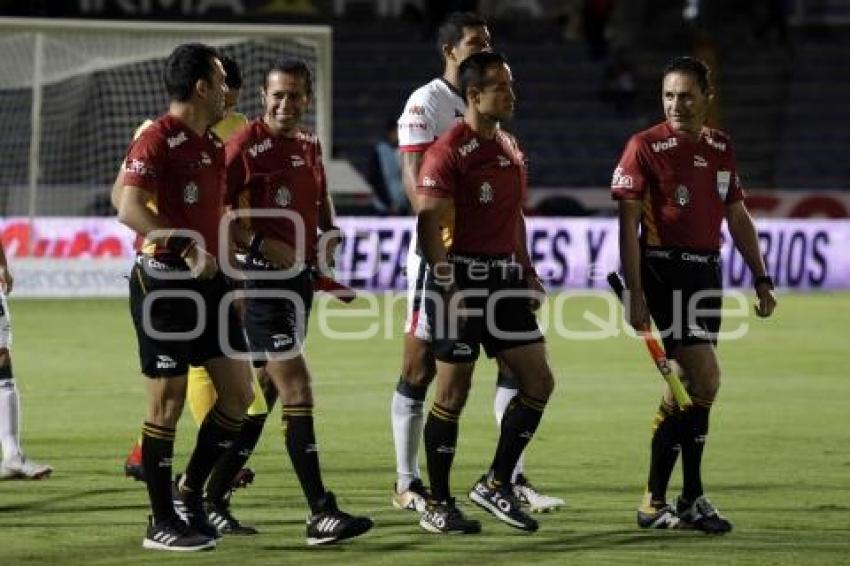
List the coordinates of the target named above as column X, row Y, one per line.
column 481, row 291
column 172, row 193
column 675, row 183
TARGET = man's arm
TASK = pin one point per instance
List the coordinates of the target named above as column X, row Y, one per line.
column 524, row 259
column 431, row 212
column 411, row 162
column 6, row 279
column 134, row 213
column 630, row 211
column 743, row 232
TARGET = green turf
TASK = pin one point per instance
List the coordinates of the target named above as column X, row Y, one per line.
column 777, row 462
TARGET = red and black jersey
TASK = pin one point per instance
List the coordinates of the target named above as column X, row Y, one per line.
column 184, row 173
column 267, row 173
column 685, row 185
column 486, row 179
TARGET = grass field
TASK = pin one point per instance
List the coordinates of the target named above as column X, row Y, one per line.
column 777, row 462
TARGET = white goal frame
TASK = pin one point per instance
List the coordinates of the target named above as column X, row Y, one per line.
column 319, row 36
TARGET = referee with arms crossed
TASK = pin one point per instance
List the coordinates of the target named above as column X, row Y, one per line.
column 173, row 195
column 478, row 171
column 276, row 181
column 677, row 181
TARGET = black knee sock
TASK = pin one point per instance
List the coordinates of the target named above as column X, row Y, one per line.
column 666, row 445
column 506, row 381
column 303, row 451
column 235, row 458
column 518, row 427
column 440, row 435
column 694, row 433
column 214, row 438
column 157, row 452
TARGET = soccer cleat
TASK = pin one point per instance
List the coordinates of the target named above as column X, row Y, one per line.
column 536, row 501
column 702, row 515
column 657, row 517
column 220, row 517
column 502, row 504
column 24, row 469
column 331, row 525
column 415, row 498
column 175, row 535
column 190, row 508
column 133, row 464
column 445, row 518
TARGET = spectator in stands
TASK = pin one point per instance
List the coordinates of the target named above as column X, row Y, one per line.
column 384, row 174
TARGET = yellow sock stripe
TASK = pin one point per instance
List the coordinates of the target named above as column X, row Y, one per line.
column 224, row 421
column 443, row 414
column 532, row 403
column 297, row 410
column 702, row 402
column 161, row 434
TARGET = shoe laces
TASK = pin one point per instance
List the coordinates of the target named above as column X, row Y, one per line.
column 705, row 508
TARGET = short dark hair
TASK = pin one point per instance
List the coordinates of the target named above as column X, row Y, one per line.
column 291, row 66
column 234, row 73
column 473, row 69
column 186, row 65
column 692, row 66
column 451, row 30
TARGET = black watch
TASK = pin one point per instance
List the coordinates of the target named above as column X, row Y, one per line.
column 763, row 280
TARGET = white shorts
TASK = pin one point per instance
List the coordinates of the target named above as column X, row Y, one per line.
column 5, row 323
column 417, row 275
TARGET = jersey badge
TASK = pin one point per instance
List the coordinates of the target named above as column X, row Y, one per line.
column 682, row 196
column 700, row 161
column 297, row 160
column 282, row 197
column 723, row 179
column 191, row 195
column 503, row 161
column 485, row 193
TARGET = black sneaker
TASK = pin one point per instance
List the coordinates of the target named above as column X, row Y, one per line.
column 175, row 535
column 702, row 515
column 502, row 504
column 330, row 524
column 444, row 517
column 218, row 514
column 415, row 498
column 190, row 507
column 657, row 517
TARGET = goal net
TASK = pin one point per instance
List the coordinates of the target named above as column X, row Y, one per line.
column 73, row 92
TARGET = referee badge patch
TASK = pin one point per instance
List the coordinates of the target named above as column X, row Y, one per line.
column 723, row 179
column 282, row 197
column 190, row 193
column 682, row 196
column 485, row 195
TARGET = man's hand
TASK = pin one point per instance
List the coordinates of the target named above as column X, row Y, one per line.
column 202, row 264
column 6, row 280
column 766, row 301
column 638, row 314
column 537, row 289
column 280, row 253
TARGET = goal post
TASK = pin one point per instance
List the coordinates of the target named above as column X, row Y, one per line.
column 73, row 91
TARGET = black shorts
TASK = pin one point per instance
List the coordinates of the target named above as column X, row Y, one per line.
column 276, row 315
column 183, row 325
column 501, row 318
column 683, row 290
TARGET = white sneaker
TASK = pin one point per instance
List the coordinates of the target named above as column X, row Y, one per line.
column 537, row 502
column 24, row 469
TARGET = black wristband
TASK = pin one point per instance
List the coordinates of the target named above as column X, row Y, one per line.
column 763, row 280
column 179, row 245
column 254, row 246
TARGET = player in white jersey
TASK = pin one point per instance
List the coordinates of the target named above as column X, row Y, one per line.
column 14, row 465
column 431, row 110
